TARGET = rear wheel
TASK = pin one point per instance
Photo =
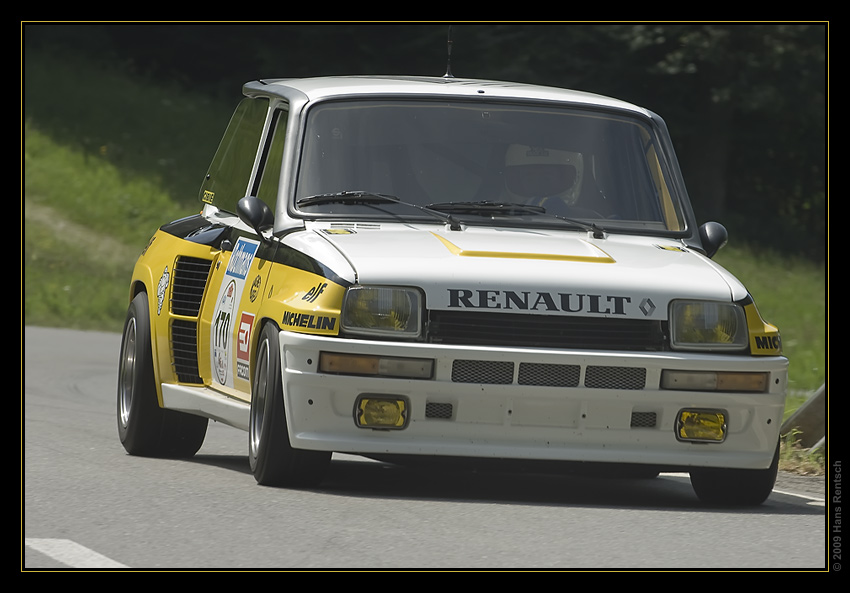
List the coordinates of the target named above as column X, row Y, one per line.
column 273, row 460
column 143, row 427
column 735, row 487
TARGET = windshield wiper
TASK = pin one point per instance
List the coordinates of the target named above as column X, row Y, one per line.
column 508, row 209
column 347, row 197
column 369, row 198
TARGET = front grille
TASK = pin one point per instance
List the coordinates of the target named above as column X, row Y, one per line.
column 599, row 377
column 550, row 375
column 492, row 372
column 483, row 371
column 544, row 331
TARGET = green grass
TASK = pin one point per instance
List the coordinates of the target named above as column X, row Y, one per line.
column 108, row 157
column 790, row 294
column 117, row 157
column 84, row 225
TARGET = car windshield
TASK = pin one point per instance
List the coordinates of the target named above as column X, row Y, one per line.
column 480, row 163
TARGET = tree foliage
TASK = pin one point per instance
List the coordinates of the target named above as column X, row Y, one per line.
column 745, row 103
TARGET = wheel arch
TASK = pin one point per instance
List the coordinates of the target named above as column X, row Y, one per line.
column 141, row 285
column 263, row 318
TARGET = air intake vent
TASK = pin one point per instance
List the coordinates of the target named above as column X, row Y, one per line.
column 184, row 350
column 644, row 420
column 491, row 372
column 549, row 375
column 190, row 280
column 598, row 377
column 187, row 292
column 440, row 411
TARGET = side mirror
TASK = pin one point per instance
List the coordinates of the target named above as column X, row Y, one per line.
column 713, row 236
column 255, row 213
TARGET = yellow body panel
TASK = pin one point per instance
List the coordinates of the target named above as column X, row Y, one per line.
column 236, row 302
column 152, row 274
column 764, row 337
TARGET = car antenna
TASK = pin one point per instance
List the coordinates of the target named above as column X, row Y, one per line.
column 448, row 73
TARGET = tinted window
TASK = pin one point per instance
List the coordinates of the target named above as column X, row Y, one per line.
column 270, row 174
column 230, row 172
column 575, row 163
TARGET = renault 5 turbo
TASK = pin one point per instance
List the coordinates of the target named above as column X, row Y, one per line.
column 450, row 269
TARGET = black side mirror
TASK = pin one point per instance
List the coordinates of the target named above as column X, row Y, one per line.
column 713, row 236
column 255, row 213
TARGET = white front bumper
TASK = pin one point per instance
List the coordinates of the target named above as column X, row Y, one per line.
column 515, row 421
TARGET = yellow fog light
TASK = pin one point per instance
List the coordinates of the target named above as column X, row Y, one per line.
column 375, row 411
column 701, row 426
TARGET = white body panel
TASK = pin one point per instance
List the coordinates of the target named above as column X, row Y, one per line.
column 527, row 422
column 535, row 261
column 515, row 421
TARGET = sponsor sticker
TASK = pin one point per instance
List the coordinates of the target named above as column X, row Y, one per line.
column 224, row 321
column 221, row 332
column 240, row 260
column 243, row 345
column 309, row 321
column 162, row 289
column 255, row 288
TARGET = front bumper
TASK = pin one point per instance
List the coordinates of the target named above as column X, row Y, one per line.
column 552, row 405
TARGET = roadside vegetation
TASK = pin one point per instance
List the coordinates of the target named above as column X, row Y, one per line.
column 108, row 157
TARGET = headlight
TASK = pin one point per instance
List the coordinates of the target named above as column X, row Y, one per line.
column 705, row 325
column 382, row 311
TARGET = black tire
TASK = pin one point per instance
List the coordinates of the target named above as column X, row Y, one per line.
column 273, row 460
column 735, row 487
column 145, row 428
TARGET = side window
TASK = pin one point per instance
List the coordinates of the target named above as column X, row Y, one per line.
column 230, row 172
column 270, row 179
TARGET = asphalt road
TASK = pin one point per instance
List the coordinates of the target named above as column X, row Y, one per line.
column 88, row 505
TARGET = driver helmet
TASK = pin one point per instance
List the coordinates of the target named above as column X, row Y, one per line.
column 537, row 173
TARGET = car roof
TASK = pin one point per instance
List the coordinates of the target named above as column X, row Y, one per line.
column 319, row 88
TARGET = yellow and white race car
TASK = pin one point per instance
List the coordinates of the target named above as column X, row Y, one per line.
column 408, row 268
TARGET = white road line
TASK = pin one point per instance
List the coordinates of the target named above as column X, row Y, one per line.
column 71, row 553
column 813, row 500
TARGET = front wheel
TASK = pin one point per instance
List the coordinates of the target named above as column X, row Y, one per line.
column 273, row 460
column 735, row 487
column 143, row 427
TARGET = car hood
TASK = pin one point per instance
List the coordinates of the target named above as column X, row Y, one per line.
column 534, row 271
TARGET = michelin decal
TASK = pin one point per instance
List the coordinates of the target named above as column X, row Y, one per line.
column 229, row 297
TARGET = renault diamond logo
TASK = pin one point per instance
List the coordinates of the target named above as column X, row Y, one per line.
column 647, row 306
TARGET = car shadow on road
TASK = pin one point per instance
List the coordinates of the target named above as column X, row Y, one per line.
column 350, row 475
column 353, row 475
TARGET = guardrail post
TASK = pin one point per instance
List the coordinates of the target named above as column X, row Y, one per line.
column 809, row 421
